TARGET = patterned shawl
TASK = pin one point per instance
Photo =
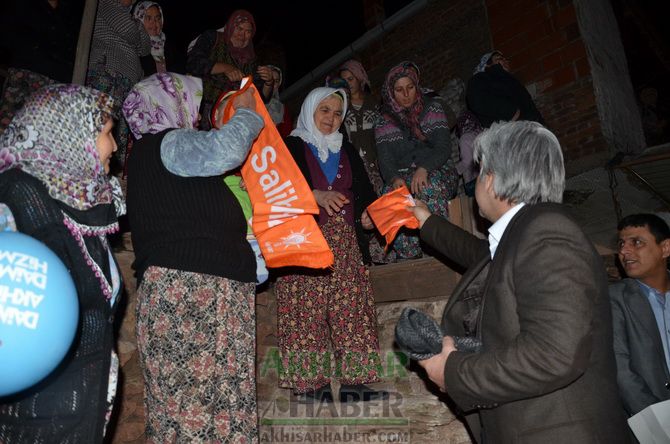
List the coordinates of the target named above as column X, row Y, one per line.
column 392, row 110
column 245, row 55
column 162, row 101
column 306, row 128
column 53, row 138
column 157, row 41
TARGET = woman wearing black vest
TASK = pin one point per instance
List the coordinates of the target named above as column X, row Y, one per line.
column 196, row 271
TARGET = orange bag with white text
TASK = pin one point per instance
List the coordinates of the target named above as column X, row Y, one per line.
column 390, row 213
column 283, row 204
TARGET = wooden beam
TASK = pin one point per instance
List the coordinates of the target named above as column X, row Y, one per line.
column 84, row 42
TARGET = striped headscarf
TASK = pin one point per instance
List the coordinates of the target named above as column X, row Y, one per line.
column 53, row 138
column 162, row 101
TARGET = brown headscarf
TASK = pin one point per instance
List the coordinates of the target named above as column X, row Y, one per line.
column 242, row 56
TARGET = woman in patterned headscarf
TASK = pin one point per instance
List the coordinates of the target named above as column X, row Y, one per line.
column 196, row 272
column 413, row 145
column 223, row 57
column 54, row 159
column 163, row 56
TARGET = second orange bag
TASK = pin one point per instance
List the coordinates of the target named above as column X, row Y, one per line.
column 283, row 203
column 390, row 213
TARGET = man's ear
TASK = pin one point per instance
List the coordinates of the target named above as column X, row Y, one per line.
column 488, row 183
column 665, row 248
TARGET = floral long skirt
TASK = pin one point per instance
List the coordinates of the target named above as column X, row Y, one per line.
column 118, row 87
column 327, row 323
column 196, row 336
column 442, row 187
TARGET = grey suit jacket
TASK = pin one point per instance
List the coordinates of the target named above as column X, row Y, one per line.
column 547, row 371
column 642, row 371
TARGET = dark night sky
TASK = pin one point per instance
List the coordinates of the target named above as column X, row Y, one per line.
column 308, row 35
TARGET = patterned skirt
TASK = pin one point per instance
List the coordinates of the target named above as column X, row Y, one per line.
column 327, row 323
column 196, row 336
column 442, row 187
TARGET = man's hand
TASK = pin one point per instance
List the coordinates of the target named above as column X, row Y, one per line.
column 331, row 201
column 419, row 180
column 434, row 366
column 421, row 211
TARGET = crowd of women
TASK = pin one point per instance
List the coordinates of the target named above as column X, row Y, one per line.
column 196, row 270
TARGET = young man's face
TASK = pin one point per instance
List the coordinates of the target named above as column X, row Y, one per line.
column 641, row 256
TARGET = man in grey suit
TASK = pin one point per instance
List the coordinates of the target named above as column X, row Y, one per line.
column 535, row 295
column 641, row 312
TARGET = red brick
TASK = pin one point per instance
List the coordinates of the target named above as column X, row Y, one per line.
column 562, row 77
column 534, row 15
column 514, row 45
column 574, row 51
column 571, row 32
column 508, row 31
column 552, row 62
column 583, row 67
column 565, row 16
column 529, row 73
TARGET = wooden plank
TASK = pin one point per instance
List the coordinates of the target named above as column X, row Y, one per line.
column 84, row 42
column 424, row 278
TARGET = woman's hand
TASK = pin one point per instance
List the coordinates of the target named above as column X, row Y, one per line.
column 397, row 183
column 265, row 73
column 234, row 74
column 419, row 180
column 331, row 201
column 420, row 211
column 245, row 100
column 366, row 221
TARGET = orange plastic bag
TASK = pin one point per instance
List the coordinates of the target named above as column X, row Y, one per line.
column 283, row 203
column 390, row 213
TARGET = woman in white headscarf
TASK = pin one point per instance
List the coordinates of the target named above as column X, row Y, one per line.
column 162, row 58
column 327, row 316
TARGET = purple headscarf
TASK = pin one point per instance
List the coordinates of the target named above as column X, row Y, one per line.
column 163, row 101
column 392, row 110
column 53, row 138
column 356, row 68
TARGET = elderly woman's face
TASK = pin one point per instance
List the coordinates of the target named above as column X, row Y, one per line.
column 404, row 92
column 153, row 21
column 242, row 35
column 328, row 115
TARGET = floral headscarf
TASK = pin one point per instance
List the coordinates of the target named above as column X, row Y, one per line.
column 157, row 41
column 306, row 128
column 162, row 101
column 53, row 138
column 356, row 68
column 392, row 110
column 242, row 56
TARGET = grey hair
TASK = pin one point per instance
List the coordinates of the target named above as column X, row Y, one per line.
column 525, row 159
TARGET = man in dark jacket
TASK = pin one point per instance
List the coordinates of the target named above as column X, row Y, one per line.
column 535, row 295
column 641, row 313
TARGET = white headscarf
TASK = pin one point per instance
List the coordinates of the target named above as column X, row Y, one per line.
column 306, row 128
column 157, row 41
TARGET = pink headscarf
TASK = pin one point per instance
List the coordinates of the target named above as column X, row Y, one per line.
column 407, row 117
column 242, row 56
column 356, row 68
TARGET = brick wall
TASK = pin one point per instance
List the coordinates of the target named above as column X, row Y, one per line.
column 445, row 39
column 544, row 42
column 542, row 39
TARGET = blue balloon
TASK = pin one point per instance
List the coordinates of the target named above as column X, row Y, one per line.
column 39, row 311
